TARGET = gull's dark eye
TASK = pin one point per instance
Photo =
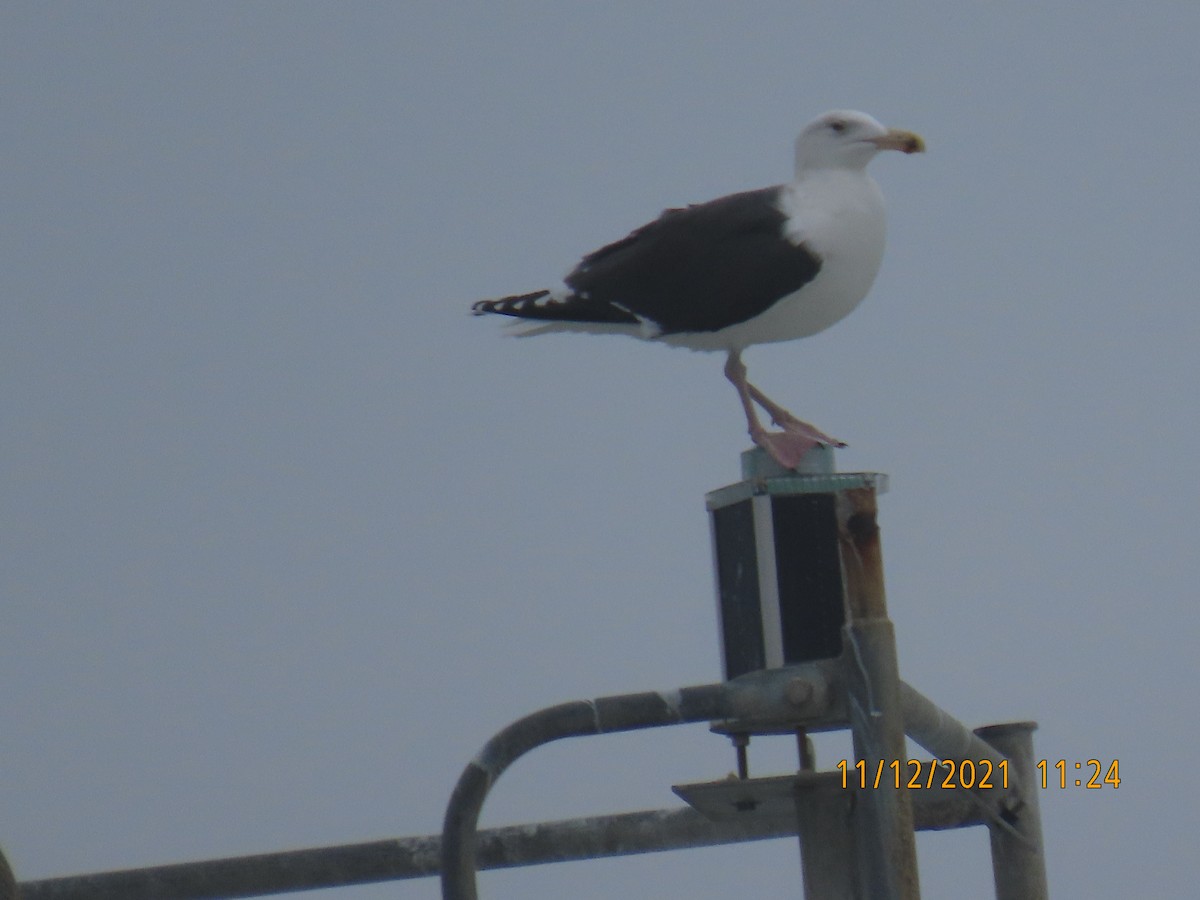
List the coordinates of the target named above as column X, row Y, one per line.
column 838, row 126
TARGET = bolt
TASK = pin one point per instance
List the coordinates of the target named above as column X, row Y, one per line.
column 799, row 691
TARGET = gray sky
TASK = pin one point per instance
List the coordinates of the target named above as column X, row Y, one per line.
column 286, row 534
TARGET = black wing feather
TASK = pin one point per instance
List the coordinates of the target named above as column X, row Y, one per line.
column 695, row 269
column 700, row 268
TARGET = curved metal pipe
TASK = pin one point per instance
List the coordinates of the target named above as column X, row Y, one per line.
column 761, row 694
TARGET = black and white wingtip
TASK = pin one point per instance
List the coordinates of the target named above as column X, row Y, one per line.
column 559, row 310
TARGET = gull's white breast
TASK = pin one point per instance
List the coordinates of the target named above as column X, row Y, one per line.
column 839, row 215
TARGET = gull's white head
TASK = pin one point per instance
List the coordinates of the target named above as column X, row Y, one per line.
column 846, row 139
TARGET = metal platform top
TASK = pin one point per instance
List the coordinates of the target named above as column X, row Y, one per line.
column 816, row 474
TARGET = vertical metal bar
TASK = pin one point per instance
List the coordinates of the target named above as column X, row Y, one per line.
column 883, row 817
column 804, row 749
column 825, row 826
column 862, row 555
column 1018, row 858
column 8, row 883
column 740, row 743
column 768, row 581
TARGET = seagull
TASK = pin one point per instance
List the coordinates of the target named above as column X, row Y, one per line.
column 756, row 267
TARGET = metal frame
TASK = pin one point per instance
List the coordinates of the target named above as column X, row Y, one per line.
column 820, row 802
column 856, row 843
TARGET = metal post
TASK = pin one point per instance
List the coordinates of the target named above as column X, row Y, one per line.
column 8, row 883
column 827, row 858
column 1018, row 860
column 883, row 817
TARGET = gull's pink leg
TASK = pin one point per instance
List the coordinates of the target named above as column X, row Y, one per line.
column 787, row 447
column 788, row 422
